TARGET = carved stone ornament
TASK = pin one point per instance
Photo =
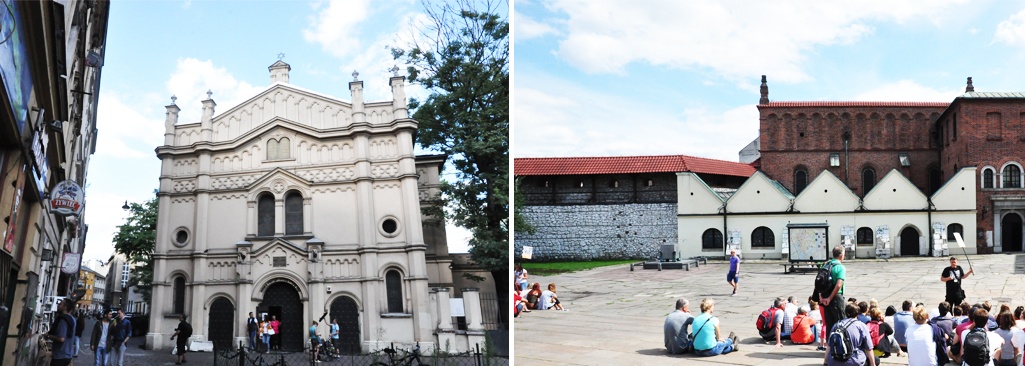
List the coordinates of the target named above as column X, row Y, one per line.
column 278, row 186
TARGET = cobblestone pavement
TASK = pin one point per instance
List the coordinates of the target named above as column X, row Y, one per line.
column 615, row 316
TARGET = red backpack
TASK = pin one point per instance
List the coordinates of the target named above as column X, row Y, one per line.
column 765, row 319
column 873, row 332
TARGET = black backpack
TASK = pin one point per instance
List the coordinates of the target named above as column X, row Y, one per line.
column 840, row 346
column 824, row 281
column 976, row 348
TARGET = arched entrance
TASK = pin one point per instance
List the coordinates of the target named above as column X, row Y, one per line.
column 1010, row 233
column 347, row 312
column 909, row 242
column 221, row 322
column 281, row 299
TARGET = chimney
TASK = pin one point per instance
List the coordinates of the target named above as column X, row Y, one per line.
column 765, row 92
column 970, row 88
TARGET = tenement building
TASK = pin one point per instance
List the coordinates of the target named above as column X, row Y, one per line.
column 307, row 208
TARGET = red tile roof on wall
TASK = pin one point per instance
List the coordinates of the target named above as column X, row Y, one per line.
column 628, row 165
column 854, row 104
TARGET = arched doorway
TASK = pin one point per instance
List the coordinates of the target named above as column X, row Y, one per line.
column 281, row 299
column 347, row 312
column 1010, row 233
column 909, row 242
column 221, row 322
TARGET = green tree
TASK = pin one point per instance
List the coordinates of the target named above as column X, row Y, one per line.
column 136, row 239
column 460, row 55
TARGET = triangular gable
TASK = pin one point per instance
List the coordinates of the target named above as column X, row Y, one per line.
column 958, row 193
column 759, row 194
column 287, row 178
column 696, row 197
column 286, row 245
column 287, row 89
column 826, row 194
column 895, row 192
column 279, row 247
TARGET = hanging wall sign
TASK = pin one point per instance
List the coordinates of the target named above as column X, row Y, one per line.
column 71, row 262
column 67, row 198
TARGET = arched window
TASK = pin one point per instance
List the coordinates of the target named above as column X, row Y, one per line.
column 293, row 213
column 279, row 149
column 179, row 296
column 763, row 237
column 987, row 178
column 711, row 239
column 1011, row 176
column 265, row 215
column 800, row 180
column 393, row 283
column 954, row 228
column 868, row 179
column 865, row 236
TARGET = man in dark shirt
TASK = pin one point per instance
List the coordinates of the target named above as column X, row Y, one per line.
column 183, row 332
column 122, row 332
column 251, row 326
column 61, row 333
column 953, row 276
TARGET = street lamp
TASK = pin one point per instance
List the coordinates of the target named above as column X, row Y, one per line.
column 125, row 207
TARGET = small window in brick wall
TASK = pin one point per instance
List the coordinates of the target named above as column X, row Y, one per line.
column 614, row 184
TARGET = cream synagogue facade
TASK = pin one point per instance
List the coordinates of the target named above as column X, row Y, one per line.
column 305, row 207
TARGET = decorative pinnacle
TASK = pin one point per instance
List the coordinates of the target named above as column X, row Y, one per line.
column 394, row 70
column 209, row 94
column 281, row 56
column 173, row 99
column 355, row 75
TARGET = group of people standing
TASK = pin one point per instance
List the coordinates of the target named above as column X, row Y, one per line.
column 109, row 336
column 267, row 330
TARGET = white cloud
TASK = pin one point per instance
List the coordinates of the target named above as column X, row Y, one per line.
column 335, row 27
column 527, row 28
column 127, row 131
column 907, row 90
column 1012, row 30
column 735, row 39
column 548, row 124
column 191, row 80
column 103, row 215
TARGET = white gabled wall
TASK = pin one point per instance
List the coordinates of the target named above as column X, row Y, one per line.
column 958, row 193
column 758, row 194
column 695, row 196
column 895, row 192
column 826, row 194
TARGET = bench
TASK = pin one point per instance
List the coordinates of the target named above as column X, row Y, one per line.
column 799, row 267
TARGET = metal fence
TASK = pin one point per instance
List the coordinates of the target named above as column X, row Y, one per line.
column 387, row 357
column 490, row 310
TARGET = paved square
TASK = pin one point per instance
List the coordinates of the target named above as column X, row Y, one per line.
column 615, row 316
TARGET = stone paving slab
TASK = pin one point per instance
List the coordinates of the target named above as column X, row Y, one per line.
column 615, row 316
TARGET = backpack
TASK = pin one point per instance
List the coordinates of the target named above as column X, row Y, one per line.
column 824, row 281
column 766, row 319
column 840, row 346
column 873, row 332
column 976, row 348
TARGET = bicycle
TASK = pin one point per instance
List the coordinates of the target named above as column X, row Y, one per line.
column 406, row 360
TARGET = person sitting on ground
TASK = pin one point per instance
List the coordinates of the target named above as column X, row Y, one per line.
column 1013, row 338
column 1019, row 317
column 857, row 332
column 901, row 321
column 969, row 353
column 534, row 295
column 789, row 313
column 676, row 326
column 519, row 303
column 883, row 341
column 774, row 331
column 863, row 312
column 888, row 315
column 706, row 335
column 806, row 331
column 921, row 338
column 991, row 325
column 549, row 300
column 944, row 321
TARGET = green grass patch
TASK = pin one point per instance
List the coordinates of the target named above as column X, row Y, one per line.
column 552, row 268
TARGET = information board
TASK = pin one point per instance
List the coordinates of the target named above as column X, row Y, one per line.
column 808, row 242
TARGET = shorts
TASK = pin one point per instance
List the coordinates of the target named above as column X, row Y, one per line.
column 181, row 345
column 732, row 276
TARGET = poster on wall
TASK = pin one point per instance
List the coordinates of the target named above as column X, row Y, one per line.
column 14, row 62
column 808, row 242
column 12, row 225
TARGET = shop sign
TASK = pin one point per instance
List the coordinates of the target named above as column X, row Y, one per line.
column 12, row 226
column 67, row 198
column 42, row 171
column 71, row 262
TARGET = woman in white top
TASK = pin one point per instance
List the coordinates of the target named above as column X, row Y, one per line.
column 1013, row 339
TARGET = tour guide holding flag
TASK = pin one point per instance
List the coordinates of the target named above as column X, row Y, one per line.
column 952, row 276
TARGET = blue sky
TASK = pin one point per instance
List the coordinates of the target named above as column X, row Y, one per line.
column 606, row 77
column 156, row 49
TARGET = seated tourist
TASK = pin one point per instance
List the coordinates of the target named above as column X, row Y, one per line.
column 534, row 295
column 1013, row 338
column 806, row 331
column 883, row 341
column 707, row 338
column 675, row 327
column 922, row 338
column 857, row 332
column 549, row 300
column 774, row 330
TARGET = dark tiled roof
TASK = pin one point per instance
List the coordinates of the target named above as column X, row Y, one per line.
column 853, row 104
column 628, row 165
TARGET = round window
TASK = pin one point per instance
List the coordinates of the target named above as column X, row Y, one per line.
column 389, row 226
column 181, row 237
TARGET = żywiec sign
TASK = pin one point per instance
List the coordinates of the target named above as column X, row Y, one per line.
column 67, row 198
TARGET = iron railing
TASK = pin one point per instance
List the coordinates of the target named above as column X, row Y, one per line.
column 401, row 357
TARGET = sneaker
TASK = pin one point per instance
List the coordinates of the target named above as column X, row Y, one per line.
column 734, row 294
column 820, row 348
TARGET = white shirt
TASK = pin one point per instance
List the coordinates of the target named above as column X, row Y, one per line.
column 104, row 326
column 921, row 347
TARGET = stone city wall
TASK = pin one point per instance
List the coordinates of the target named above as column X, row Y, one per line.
column 598, row 232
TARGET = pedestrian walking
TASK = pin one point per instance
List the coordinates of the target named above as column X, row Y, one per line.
column 101, row 339
column 265, row 332
column 183, row 332
column 62, row 332
column 831, row 296
column 953, row 276
column 122, row 332
column 79, row 328
column 314, row 342
column 733, row 276
column 252, row 327
column 276, row 334
column 335, row 336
